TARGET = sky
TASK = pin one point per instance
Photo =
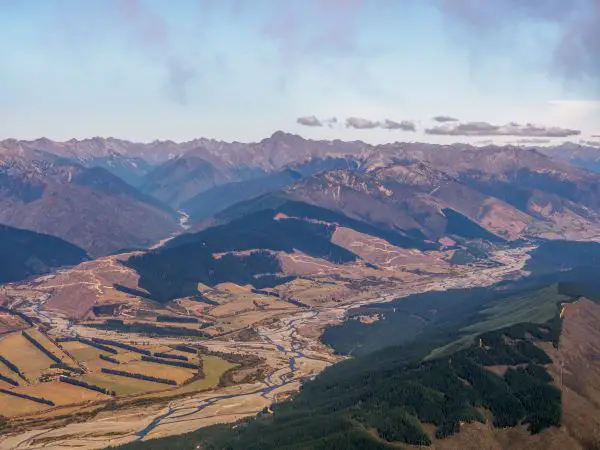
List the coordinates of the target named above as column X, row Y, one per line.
column 507, row 71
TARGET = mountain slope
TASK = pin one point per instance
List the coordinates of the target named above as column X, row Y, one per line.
column 25, row 253
column 209, row 203
column 584, row 156
column 241, row 252
column 385, row 201
column 179, row 179
column 198, row 171
column 88, row 207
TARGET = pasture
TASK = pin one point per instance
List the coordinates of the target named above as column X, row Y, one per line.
column 31, row 361
column 122, row 386
column 80, row 351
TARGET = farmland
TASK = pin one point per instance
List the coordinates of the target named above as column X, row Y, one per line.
column 10, row 322
column 38, row 376
column 25, row 356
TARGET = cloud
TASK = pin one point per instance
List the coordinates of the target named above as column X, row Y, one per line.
column 405, row 125
column 309, row 121
column 591, row 143
column 511, row 129
column 532, row 141
column 443, row 119
column 313, row 121
column 574, row 54
column 361, row 124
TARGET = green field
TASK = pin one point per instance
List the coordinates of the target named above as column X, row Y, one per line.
column 213, row 367
column 122, row 385
column 537, row 306
column 534, row 307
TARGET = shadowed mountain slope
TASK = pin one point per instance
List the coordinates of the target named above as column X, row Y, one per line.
column 25, row 253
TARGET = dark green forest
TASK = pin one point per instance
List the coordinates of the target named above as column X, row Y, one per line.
column 33, row 253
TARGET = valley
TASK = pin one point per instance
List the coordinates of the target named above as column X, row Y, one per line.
column 287, row 343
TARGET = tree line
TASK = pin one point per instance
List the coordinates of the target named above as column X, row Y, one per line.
column 138, row 376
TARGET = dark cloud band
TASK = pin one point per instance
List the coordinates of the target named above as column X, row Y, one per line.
column 443, row 119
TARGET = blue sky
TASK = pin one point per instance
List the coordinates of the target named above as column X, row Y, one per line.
column 242, row 69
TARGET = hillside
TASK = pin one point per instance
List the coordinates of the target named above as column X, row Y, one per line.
column 585, row 156
column 91, row 208
column 179, row 179
column 211, row 202
column 241, row 252
column 25, row 253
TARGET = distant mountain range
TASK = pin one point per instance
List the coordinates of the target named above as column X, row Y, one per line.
column 108, row 194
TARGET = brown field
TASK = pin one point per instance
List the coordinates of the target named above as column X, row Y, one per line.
column 96, row 364
column 49, row 345
column 385, row 255
column 10, row 323
column 9, row 373
column 194, row 307
column 246, row 303
column 74, row 291
column 234, row 288
column 63, row 300
column 251, row 317
column 65, row 394
column 80, row 351
column 324, row 290
column 5, row 385
column 24, row 355
column 14, row 406
column 61, row 393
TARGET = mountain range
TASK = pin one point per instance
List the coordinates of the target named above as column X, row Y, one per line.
column 74, row 189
